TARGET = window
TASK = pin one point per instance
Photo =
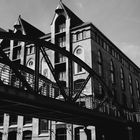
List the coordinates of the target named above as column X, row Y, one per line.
column 60, row 25
column 8, row 54
column 124, row 99
column 62, row 41
column 74, row 37
column 130, row 85
column 84, row 34
column 112, row 72
column 31, row 64
column 122, row 79
column 100, row 64
column 79, row 36
column 16, row 52
column 61, row 134
column 27, row 120
column 43, row 126
column 1, row 119
column 77, row 84
column 79, row 52
column 100, row 89
column 137, row 89
column 27, row 135
column 13, row 120
column 31, row 49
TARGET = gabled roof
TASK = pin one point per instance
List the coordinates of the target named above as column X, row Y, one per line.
column 75, row 20
column 2, row 30
column 29, row 29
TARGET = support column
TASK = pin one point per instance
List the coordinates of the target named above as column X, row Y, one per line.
column 129, row 133
column 37, row 58
column 69, row 132
column 5, row 127
column 93, row 135
column 20, row 128
column 52, row 130
column 88, row 133
column 35, row 128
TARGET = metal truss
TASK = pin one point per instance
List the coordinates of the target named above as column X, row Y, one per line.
column 41, row 44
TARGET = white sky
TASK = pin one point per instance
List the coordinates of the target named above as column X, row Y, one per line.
column 119, row 20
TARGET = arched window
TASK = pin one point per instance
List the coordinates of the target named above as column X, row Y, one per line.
column 60, row 24
column 31, row 64
column 100, row 64
column 130, row 84
column 112, row 72
column 137, row 89
column 79, row 52
column 122, row 79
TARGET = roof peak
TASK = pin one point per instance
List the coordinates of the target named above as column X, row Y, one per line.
column 30, row 29
column 75, row 20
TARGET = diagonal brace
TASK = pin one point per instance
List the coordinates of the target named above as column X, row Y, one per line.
column 81, row 88
column 53, row 72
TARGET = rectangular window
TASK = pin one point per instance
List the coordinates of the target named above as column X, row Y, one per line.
column 27, row 120
column 61, row 134
column 79, row 68
column 1, row 119
column 74, row 37
column 43, row 126
column 13, row 120
column 84, row 34
column 16, row 52
column 79, row 36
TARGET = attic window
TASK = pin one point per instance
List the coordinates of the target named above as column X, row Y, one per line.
column 60, row 24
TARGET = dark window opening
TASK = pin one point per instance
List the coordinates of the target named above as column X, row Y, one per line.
column 43, row 126
column 61, row 134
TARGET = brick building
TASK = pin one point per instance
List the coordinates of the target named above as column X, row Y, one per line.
column 90, row 45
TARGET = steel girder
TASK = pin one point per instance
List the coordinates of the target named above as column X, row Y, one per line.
column 40, row 43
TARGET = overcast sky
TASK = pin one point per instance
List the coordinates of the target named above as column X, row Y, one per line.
column 119, row 20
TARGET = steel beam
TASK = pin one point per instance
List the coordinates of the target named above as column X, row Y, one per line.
column 12, row 36
column 53, row 72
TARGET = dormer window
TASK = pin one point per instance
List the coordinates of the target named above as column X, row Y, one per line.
column 60, row 24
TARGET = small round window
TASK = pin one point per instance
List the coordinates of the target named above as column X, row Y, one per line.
column 31, row 63
column 79, row 51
